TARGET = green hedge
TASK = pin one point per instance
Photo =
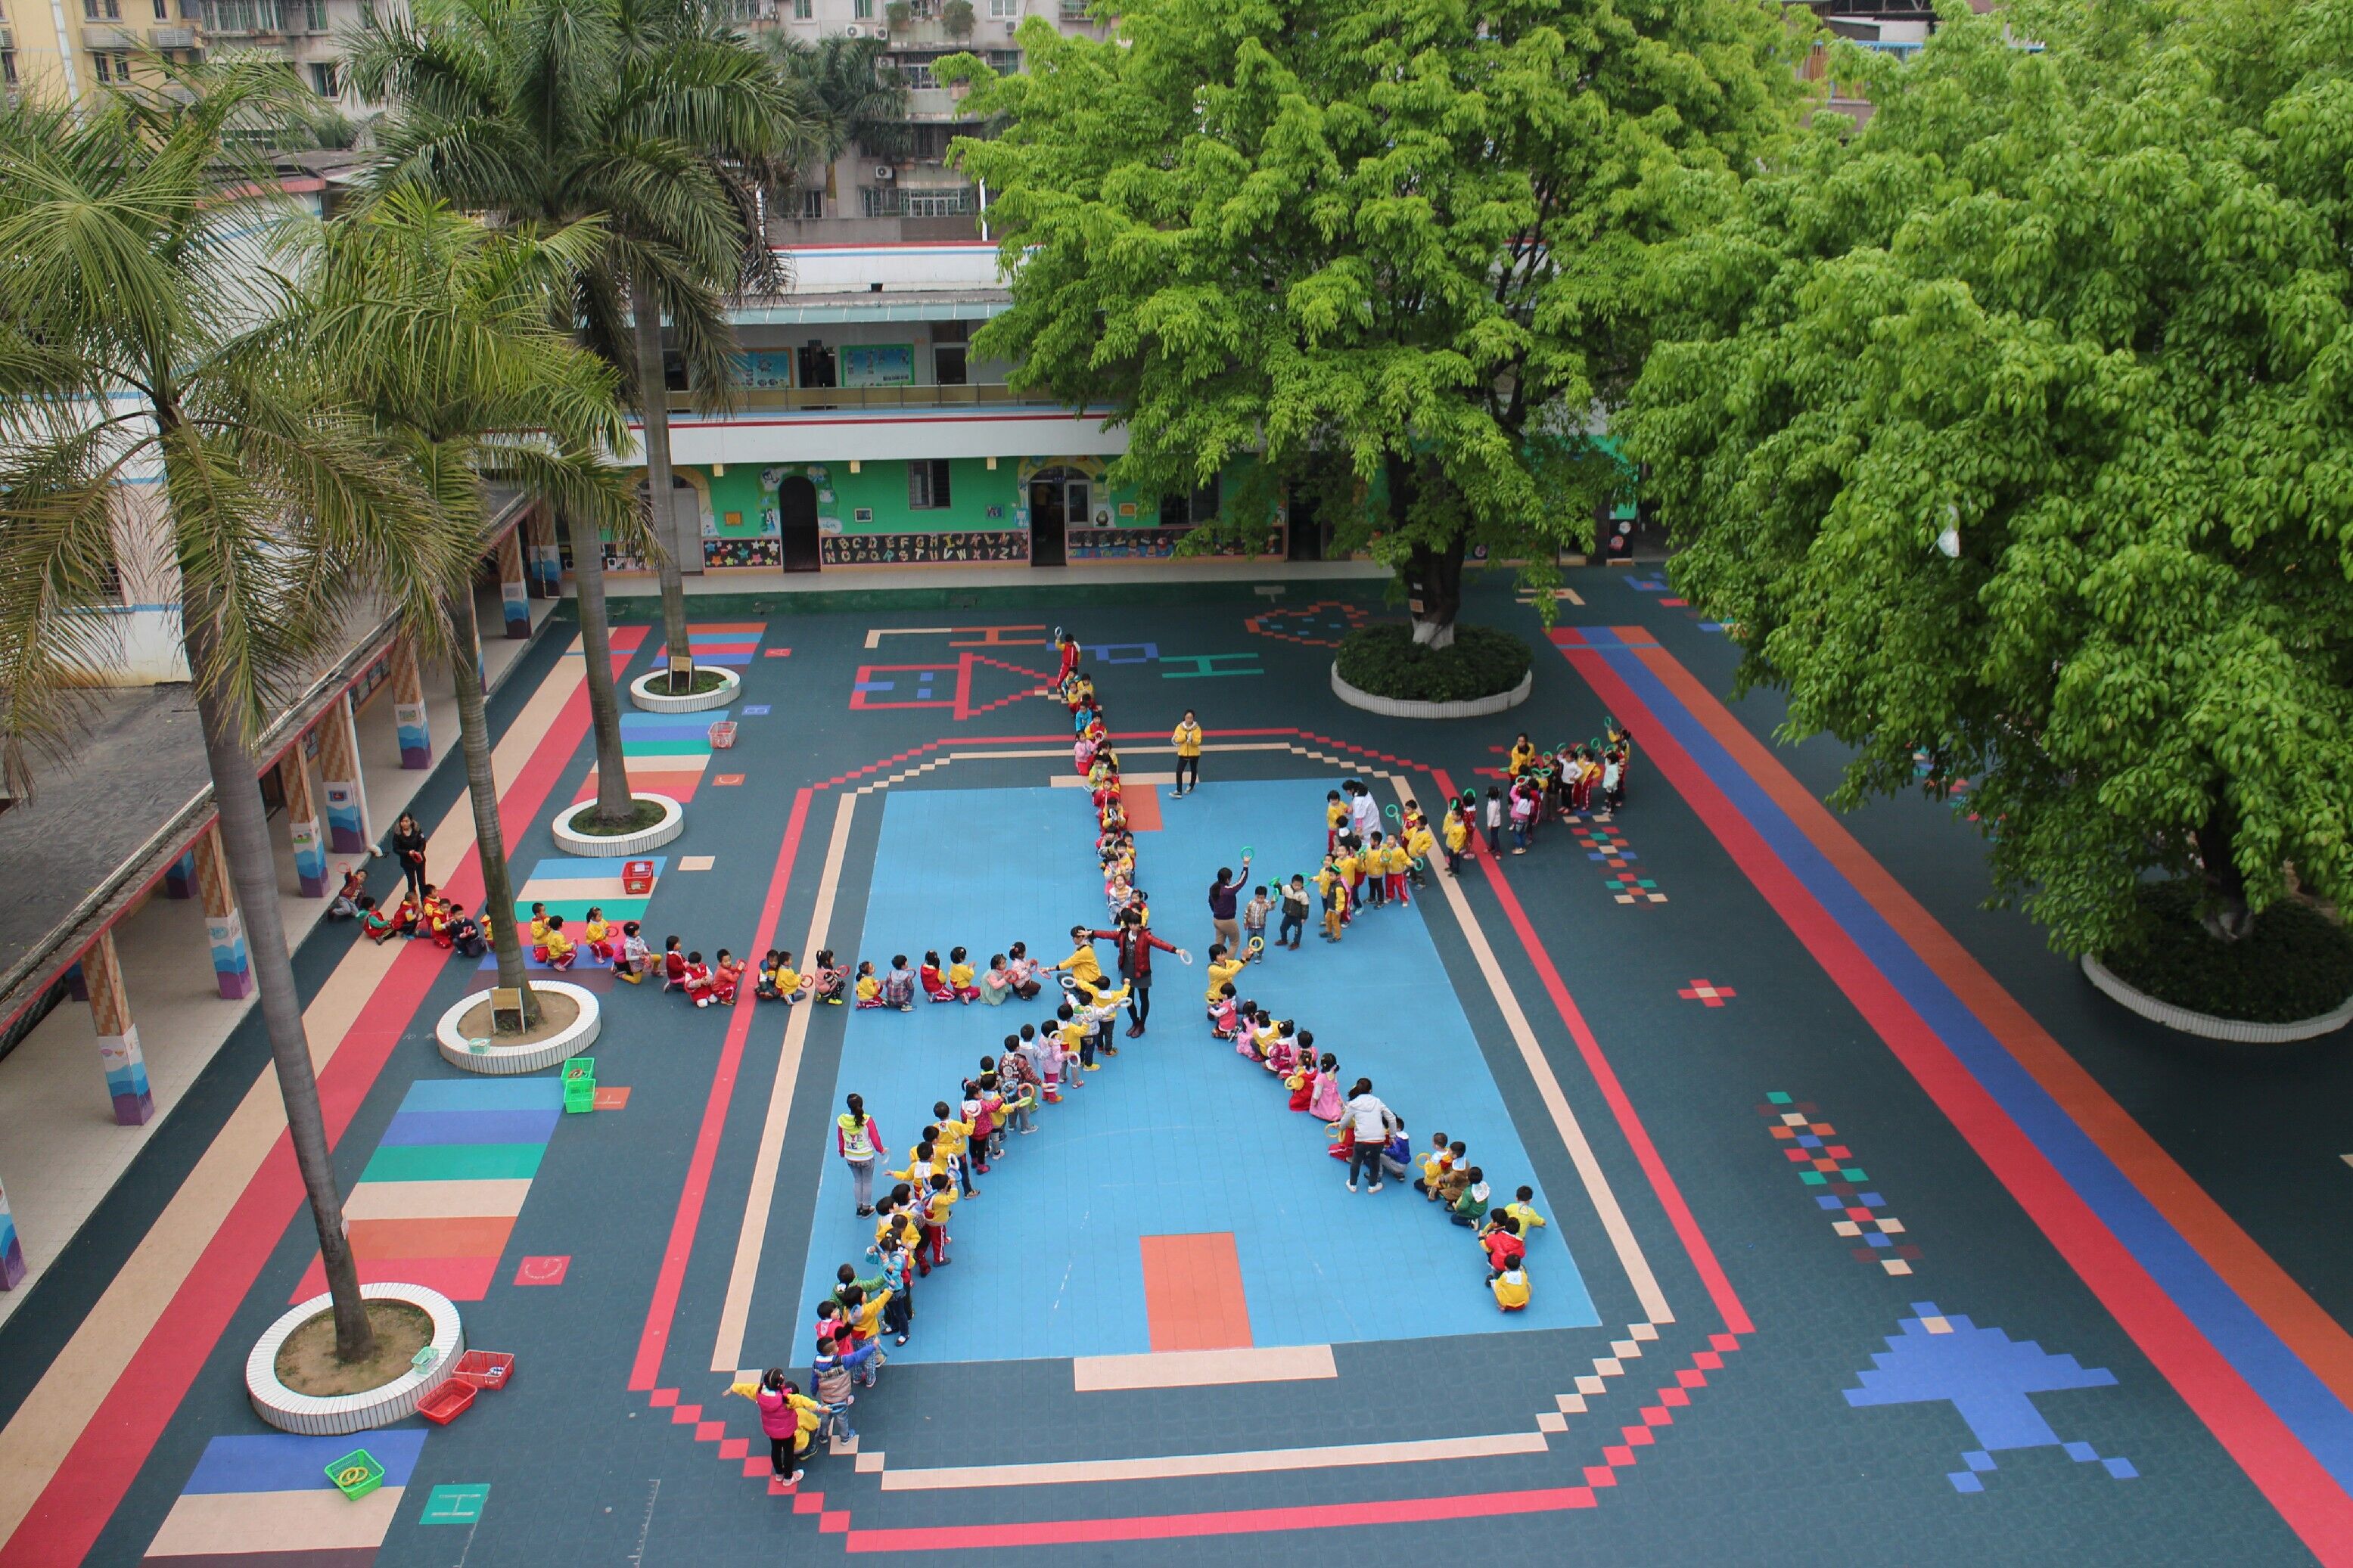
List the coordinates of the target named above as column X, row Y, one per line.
column 1385, row 661
column 2296, row 964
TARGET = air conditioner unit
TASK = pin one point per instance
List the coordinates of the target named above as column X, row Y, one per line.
column 885, row 171
column 1011, row 28
column 853, row 31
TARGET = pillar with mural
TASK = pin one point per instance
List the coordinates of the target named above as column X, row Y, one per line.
column 408, row 707
column 302, row 823
column 224, row 926
column 340, row 781
column 118, row 1037
column 514, row 591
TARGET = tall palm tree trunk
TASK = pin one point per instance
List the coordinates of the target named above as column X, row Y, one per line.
column 653, row 397
column 482, row 793
column 596, row 648
column 253, row 872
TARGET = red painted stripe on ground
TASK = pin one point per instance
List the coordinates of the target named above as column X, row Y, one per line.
column 104, row 1460
column 662, row 1310
column 2317, row 1340
column 1236, row 1522
column 459, row 1279
column 1142, row 803
column 2295, row 1484
column 1638, row 1137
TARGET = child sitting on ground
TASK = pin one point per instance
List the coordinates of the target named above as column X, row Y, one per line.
column 636, row 958
column 601, row 941
column 1469, row 1205
column 960, row 976
column 828, row 978
column 997, row 984
column 869, row 988
column 373, row 923
column 935, row 984
column 1511, row 1288
column 466, row 935
column 1501, row 1241
column 537, row 930
column 1523, row 1209
column 555, row 947
column 726, row 976
column 899, row 985
column 346, row 906
column 696, row 979
column 1225, row 1018
column 1022, row 970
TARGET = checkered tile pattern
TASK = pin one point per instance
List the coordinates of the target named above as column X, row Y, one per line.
column 1811, row 1144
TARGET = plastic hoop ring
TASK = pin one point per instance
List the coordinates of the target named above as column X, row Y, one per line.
column 1257, row 944
column 1391, row 811
column 1188, row 958
column 1069, row 982
column 1248, row 851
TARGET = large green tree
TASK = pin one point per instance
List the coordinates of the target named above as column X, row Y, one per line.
column 2017, row 427
column 141, row 339
column 1396, row 240
column 655, row 117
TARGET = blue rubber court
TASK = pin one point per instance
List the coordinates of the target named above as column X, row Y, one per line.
column 1178, row 1136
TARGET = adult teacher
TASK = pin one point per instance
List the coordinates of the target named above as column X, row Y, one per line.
column 1222, row 894
column 1135, row 943
column 1370, row 1123
column 407, row 846
column 1186, row 738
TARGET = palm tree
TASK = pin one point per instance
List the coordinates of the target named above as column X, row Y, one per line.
column 655, row 116
column 848, row 93
column 467, row 373
column 136, row 343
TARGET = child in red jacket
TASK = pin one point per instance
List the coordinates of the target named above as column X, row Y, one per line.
column 697, row 982
column 933, row 980
column 726, row 976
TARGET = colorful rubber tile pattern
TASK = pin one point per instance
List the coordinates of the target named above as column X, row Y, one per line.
column 1986, row 1376
column 1708, row 994
column 1319, row 624
column 440, row 1196
column 268, row 1499
column 1604, row 842
column 665, row 753
column 1856, row 1215
column 727, row 642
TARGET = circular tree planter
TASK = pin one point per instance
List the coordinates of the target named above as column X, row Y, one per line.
column 596, row 846
column 2206, row 1025
column 328, row 1416
column 642, row 692
column 1399, row 707
column 460, row 1050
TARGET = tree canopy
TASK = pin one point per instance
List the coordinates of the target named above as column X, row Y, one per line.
column 2016, row 428
column 1398, row 241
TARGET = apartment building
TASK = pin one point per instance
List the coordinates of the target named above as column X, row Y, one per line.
column 869, row 196
column 69, row 47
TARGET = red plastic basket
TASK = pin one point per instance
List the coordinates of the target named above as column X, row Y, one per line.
column 484, row 1369
column 448, row 1402
column 722, row 734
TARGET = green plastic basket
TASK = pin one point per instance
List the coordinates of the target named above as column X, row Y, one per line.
column 580, row 1067
column 356, row 1474
column 580, row 1094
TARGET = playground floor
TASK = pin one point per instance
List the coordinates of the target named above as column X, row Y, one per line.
column 1874, row 1234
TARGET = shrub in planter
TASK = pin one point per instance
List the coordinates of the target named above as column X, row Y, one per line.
column 1385, row 661
column 2294, row 964
column 957, row 15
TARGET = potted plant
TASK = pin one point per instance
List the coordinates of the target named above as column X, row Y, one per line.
column 956, row 17
column 899, row 12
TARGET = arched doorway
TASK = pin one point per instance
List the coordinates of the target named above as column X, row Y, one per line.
column 1057, row 498
column 796, row 520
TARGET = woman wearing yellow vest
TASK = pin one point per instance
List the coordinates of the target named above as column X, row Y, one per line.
column 1188, row 742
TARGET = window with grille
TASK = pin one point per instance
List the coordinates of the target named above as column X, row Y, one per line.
column 1005, row 62
column 1201, row 506
column 861, row 9
column 323, row 79
column 812, row 204
column 918, row 73
column 1005, row 10
column 935, row 204
column 803, row 10
column 927, row 484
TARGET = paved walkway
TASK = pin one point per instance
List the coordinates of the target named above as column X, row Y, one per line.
column 1874, row 1235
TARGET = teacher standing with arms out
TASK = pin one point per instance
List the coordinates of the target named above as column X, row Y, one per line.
column 1188, row 742
column 407, row 846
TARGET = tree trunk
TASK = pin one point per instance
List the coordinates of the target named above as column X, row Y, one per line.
column 596, row 647
column 654, row 395
column 482, row 793
column 2226, row 917
column 1434, row 574
column 253, row 872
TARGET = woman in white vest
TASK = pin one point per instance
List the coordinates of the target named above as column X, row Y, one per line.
column 860, row 1144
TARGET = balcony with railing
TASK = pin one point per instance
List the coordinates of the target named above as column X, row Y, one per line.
column 834, row 399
